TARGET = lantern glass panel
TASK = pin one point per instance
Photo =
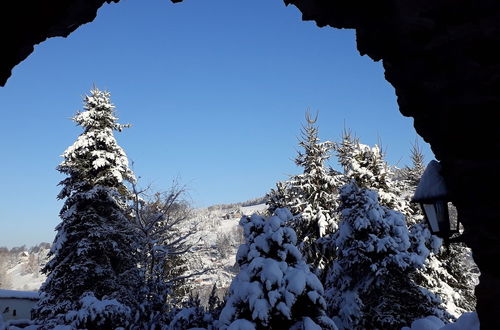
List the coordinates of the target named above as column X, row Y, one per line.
column 442, row 216
column 431, row 214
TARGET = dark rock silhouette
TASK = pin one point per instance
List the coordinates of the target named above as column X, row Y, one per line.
column 24, row 24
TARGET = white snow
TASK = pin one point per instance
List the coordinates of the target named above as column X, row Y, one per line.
column 92, row 307
column 241, row 325
column 21, row 280
column 249, row 210
column 431, row 185
column 23, row 273
column 468, row 321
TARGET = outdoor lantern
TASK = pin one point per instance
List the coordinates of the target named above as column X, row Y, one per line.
column 432, row 195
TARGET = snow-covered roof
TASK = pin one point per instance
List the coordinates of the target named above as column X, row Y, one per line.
column 431, row 185
column 249, row 210
column 32, row 295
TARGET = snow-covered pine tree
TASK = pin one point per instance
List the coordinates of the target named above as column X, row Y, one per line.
column 448, row 272
column 275, row 288
column 93, row 279
column 412, row 174
column 311, row 196
column 366, row 166
column 369, row 286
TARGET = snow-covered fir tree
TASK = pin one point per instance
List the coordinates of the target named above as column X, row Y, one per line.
column 366, row 166
column 449, row 271
column 93, row 276
column 311, row 196
column 275, row 288
column 412, row 174
column 368, row 285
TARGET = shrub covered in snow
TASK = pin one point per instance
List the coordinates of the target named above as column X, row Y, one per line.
column 275, row 288
column 93, row 313
column 192, row 315
column 467, row 321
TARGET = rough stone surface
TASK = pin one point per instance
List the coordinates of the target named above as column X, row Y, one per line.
column 441, row 56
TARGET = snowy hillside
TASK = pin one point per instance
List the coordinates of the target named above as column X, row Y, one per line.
column 22, row 280
column 218, row 236
column 20, row 268
column 216, row 241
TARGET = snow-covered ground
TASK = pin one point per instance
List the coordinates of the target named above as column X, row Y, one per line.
column 249, row 210
column 468, row 321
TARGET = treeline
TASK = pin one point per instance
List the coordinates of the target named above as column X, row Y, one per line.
column 250, row 202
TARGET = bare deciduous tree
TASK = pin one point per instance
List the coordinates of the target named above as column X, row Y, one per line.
column 162, row 221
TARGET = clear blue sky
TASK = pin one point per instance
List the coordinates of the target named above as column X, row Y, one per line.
column 215, row 90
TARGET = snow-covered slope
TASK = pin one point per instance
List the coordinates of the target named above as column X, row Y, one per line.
column 22, row 280
column 21, row 270
column 216, row 241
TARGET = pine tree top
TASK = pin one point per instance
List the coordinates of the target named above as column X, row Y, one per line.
column 99, row 112
column 95, row 158
column 314, row 153
column 364, row 164
column 413, row 173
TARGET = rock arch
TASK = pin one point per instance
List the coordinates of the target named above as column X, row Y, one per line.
column 441, row 56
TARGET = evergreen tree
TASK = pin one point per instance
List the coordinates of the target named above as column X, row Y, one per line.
column 412, row 174
column 366, row 166
column 369, row 286
column 275, row 288
column 213, row 300
column 312, row 196
column 215, row 304
column 93, row 279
